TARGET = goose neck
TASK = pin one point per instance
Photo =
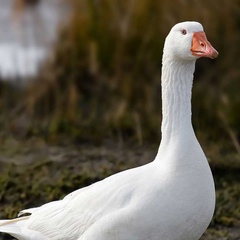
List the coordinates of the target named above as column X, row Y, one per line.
column 177, row 79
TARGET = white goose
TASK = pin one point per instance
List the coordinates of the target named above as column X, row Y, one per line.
column 171, row 198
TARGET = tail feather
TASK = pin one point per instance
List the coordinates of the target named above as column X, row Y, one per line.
column 14, row 226
column 17, row 228
column 13, row 222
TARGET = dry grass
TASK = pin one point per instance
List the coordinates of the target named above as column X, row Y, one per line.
column 104, row 79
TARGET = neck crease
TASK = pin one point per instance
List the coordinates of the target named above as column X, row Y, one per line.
column 177, row 79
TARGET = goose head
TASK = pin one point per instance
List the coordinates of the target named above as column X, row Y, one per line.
column 187, row 41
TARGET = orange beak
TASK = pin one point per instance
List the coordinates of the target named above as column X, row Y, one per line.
column 201, row 47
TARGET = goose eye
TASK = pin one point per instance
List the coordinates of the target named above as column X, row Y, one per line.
column 184, row 32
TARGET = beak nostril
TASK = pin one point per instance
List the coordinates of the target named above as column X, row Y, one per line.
column 201, row 47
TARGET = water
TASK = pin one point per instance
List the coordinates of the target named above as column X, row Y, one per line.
column 27, row 35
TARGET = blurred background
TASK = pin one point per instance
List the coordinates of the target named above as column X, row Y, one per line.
column 80, row 87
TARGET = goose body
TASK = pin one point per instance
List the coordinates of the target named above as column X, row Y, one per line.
column 171, row 198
